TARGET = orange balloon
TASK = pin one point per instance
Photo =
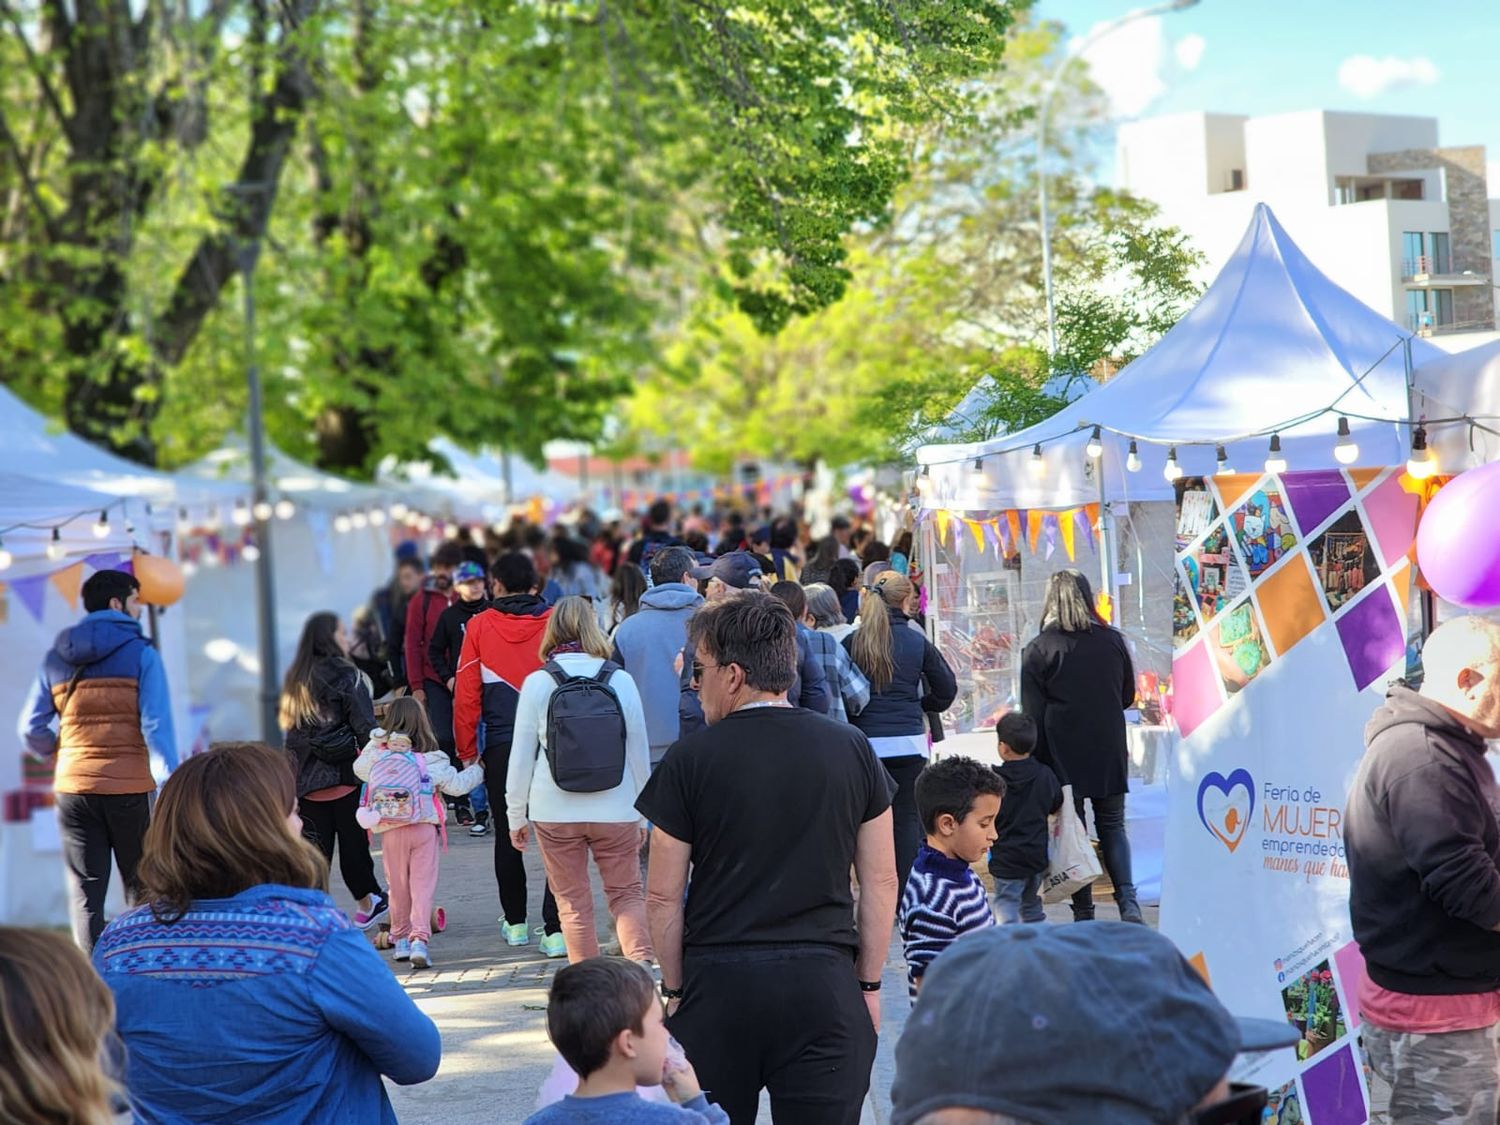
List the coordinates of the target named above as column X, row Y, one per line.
column 161, row 579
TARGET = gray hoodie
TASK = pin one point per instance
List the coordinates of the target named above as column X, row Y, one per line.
column 647, row 645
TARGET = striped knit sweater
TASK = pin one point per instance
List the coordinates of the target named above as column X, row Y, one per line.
column 943, row 901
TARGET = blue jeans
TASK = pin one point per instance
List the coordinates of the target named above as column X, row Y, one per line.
column 480, row 800
column 1018, row 900
column 1114, row 848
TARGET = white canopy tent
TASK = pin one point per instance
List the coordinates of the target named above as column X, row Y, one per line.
column 475, row 485
column 1462, row 384
column 1273, row 346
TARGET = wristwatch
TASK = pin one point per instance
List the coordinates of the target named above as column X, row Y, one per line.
column 671, row 993
column 869, row 986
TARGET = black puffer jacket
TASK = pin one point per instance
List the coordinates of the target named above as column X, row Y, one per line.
column 900, row 707
column 448, row 638
column 323, row 751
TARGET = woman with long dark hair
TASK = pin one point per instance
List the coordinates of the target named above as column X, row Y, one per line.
column 1077, row 679
column 821, row 564
column 843, row 580
column 327, row 716
column 625, row 594
column 908, row 678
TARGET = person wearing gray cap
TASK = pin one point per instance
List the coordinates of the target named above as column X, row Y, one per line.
column 1041, row 1025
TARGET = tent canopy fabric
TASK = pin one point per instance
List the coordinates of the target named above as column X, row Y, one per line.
column 1272, row 342
column 475, row 482
column 1462, row 383
column 30, row 508
column 285, row 475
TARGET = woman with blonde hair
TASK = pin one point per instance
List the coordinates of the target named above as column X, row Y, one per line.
column 578, row 760
column 238, row 984
column 908, row 677
column 56, row 1018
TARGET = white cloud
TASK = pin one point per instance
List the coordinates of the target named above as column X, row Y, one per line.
column 1189, row 51
column 1365, row 76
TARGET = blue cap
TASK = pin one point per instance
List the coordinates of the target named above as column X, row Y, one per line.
column 739, row 569
column 408, row 549
column 468, row 572
column 1103, row 1021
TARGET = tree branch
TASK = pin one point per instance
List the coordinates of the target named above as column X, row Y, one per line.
column 49, row 92
column 23, row 169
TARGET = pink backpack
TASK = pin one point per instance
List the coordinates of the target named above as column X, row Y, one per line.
column 399, row 790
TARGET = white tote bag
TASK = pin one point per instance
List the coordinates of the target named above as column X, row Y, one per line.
column 1071, row 862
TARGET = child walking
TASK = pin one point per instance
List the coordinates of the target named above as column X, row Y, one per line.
column 404, row 770
column 1032, row 794
column 958, row 800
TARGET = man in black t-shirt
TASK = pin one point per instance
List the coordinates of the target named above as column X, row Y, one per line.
column 770, row 982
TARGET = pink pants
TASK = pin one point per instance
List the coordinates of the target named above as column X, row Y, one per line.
column 617, row 853
column 410, row 854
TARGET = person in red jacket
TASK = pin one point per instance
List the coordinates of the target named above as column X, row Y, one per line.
column 423, row 612
column 502, row 646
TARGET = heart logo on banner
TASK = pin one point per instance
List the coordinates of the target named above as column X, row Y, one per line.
column 1226, row 804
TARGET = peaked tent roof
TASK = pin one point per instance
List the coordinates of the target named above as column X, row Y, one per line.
column 285, row 475
column 1466, row 383
column 1272, row 341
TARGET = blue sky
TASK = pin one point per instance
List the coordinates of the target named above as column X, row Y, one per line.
column 1436, row 59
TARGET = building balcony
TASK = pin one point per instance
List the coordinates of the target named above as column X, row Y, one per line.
column 1428, row 272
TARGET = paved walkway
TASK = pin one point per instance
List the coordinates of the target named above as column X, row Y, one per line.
column 490, row 1000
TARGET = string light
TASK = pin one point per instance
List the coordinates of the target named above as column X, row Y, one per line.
column 976, row 474
column 1095, row 447
column 924, row 480
column 1421, row 464
column 184, row 525
column 5, row 559
column 101, row 527
column 1172, row 471
column 263, row 510
column 377, row 517
column 215, row 521
column 1275, row 462
column 359, row 519
column 1133, row 459
column 285, row 509
column 210, row 559
column 1038, row 463
column 1223, row 458
column 1346, row 452
column 250, row 552
column 241, row 514
column 341, row 523
column 189, row 568
column 399, row 511
column 55, row 549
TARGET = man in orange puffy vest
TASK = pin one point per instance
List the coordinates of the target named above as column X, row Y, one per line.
column 104, row 684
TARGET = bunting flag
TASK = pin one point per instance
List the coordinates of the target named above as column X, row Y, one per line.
column 1067, row 525
column 1049, row 530
column 32, row 593
column 68, row 582
column 1002, row 537
column 1091, row 511
column 1034, row 521
column 976, row 528
column 1081, row 517
column 106, row 560
column 1013, row 521
column 942, row 526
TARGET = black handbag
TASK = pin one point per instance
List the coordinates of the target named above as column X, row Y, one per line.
column 333, row 743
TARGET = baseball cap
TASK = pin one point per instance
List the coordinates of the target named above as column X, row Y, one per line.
column 1104, row 1021
column 738, row 569
column 468, row 572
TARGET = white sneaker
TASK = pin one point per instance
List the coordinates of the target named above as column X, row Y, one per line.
column 420, row 958
column 403, row 949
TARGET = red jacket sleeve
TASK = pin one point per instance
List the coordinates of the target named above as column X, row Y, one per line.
column 415, row 642
column 468, row 692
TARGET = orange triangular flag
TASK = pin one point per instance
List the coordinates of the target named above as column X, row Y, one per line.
column 976, row 529
column 1067, row 525
column 1092, row 511
column 68, row 582
column 1034, row 527
column 1013, row 520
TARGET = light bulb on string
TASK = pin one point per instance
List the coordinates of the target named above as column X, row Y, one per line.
column 1133, row 459
column 241, row 515
column 211, row 558
column 1038, row 462
column 1095, row 447
column 5, row 558
column 1421, row 464
column 285, row 509
column 250, row 552
column 359, row 519
column 424, row 524
column 1275, row 462
column 377, row 517
column 976, row 473
column 101, row 526
column 399, row 511
column 263, row 510
column 55, row 548
column 341, row 522
column 189, row 568
column 1172, row 471
column 184, row 524
column 1222, row 456
column 1346, row 452
column 215, row 520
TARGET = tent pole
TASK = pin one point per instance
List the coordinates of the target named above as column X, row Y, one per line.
column 1106, row 543
column 265, row 592
column 1426, row 601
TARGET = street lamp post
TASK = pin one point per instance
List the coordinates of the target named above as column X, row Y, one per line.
column 1041, row 140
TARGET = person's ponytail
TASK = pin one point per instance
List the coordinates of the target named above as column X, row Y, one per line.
column 871, row 646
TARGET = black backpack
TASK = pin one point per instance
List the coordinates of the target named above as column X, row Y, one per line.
column 585, row 731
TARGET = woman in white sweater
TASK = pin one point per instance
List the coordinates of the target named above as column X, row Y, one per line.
column 571, row 824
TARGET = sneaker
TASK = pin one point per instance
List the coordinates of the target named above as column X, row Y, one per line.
column 420, row 958
column 403, row 949
column 480, row 827
column 380, row 906
column 463, row 814
column 552, row 945
column 514, row 935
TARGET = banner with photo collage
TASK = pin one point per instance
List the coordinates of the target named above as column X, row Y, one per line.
column 1289, row 621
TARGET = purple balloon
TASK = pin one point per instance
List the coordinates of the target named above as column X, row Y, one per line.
column 1458, row 542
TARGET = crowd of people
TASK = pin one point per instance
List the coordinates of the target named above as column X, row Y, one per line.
column 735, row 728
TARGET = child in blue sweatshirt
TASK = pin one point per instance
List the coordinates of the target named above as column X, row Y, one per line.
column 604, row 1016
column 958, row 800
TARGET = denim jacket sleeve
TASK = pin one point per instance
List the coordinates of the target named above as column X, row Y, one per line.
column 360, row 998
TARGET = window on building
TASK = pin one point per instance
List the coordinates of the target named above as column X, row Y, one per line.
column 1441, row 262
column 1237, row 183
column 1413, row 248
column 1407, row 189
column 1442, row 306
column 1416, row 310
column 1497, row 243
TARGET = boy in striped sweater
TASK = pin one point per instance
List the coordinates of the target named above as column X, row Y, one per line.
column 958, row 800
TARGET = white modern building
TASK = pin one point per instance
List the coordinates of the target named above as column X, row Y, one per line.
column 1405, row 224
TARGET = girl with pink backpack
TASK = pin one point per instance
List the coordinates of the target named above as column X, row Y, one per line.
column 404, row 772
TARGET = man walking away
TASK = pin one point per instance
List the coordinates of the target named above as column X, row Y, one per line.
column 647, row 644
column 1424, row 883
column 770, row 982
column 104, row 684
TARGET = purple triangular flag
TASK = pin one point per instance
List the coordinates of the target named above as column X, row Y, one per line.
column 1050, row 529
column 105, row 560
column 33, row 593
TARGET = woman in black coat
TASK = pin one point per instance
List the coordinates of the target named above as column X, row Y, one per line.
column 327, row 716
column 1076, row 682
